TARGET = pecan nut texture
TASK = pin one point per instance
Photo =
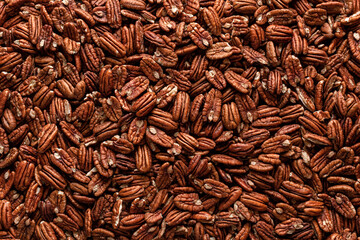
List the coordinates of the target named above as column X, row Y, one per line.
column 180, row 119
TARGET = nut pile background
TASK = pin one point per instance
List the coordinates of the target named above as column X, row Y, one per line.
column 170, row 119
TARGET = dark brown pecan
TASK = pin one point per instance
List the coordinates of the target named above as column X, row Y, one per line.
column 159, row 137
column 137, row 130
column 326, row 220
column 105, row 131
column 10, row 158
column 277, row 144
column 241, row 149
column 316, row 139
column 305, row 99
column 33, row 196
column 226, row 219
column 281, row 16
column 112, row 108
column 104, row 161
column 24, row 175
column 181, row 81
column 106, row 81
column 294, row 71
column 315, row 56
column 47, row 137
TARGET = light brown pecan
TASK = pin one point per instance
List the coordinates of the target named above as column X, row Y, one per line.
column 166, row 57
column 181, row 109
column 295, row 190
column 315, row 16
column 199, row 36
column 255, row 201
column 166, row 95
column 113, row 13
column 6, row 217
column 173, row 7
column 111, row 44
column 144, row 105
column 279, row 33
column 188, row 202
column 215, row 188
column 151, row 69
column 143, row 158
column 159, row 137
column 342, row 205
column 33, row 197
column 212, row 19
column 219, row 50
column 176, row 217
column 212, row 106
column 162, row 120
column 238, row 82
column 134, row 88
column 50, row 176
column 289, row 226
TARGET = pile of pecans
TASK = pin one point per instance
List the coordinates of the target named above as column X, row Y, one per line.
column 180, row 119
